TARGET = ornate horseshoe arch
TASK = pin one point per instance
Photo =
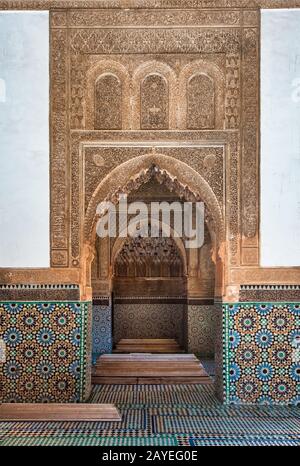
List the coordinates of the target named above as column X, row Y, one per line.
column 129, row 176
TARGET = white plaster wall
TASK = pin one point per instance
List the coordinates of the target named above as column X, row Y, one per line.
column 24, row 139
column 280, row 138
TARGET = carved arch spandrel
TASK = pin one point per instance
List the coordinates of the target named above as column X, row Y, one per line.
column 177, row 175
column 213, row 72
column 106, row 67
column 160, row 69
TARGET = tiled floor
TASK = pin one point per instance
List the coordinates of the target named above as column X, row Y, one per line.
column 165, row 415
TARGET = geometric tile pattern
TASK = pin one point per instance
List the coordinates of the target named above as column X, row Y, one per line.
column 45, row 357
column 144, row 320
column 102, row 330
column 262, row 353
column 167, row 415
column 202, row 327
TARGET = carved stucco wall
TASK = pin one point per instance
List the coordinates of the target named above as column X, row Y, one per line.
column 126, row 267
column 177, row 176
column 115, row 5
column 217, row 164
column 220, row 164
column 199, row 52
column 204, row 40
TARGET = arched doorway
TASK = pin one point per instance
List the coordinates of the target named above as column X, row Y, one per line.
column 149, row 285
column 116, row 273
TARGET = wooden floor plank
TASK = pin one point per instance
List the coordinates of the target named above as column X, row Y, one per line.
column 144, row 368
column 58, row 412
column 147, row 340
column 151, row 380
column 152, row 345
column 148, row 356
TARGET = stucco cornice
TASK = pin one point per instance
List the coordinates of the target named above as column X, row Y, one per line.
column 144, row 4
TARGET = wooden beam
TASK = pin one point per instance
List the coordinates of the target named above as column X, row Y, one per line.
column 58, row 412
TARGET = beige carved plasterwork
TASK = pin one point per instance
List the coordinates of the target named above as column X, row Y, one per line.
column 39, row 276
column 67, row 4
column 58, row 19
column 108, row 102
column 149, row 18
column 59, row 235
column 192, row 157
column 99, row 159
column 154, row 41
column 201, row 108
column 251, row 17
column 250, row 131
column 117, row 245
column 204, row 284
column 232, row 97
column 142, row 4
column 99, row 69
column 148, row 257
column 78, row 79
column 259, row 275
column 212, row 42
column 213, row 72
column 175, row 33
column 133, row 75
column 233, row 195
column 154, row 102
column 80, row 45
column 177, row 176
